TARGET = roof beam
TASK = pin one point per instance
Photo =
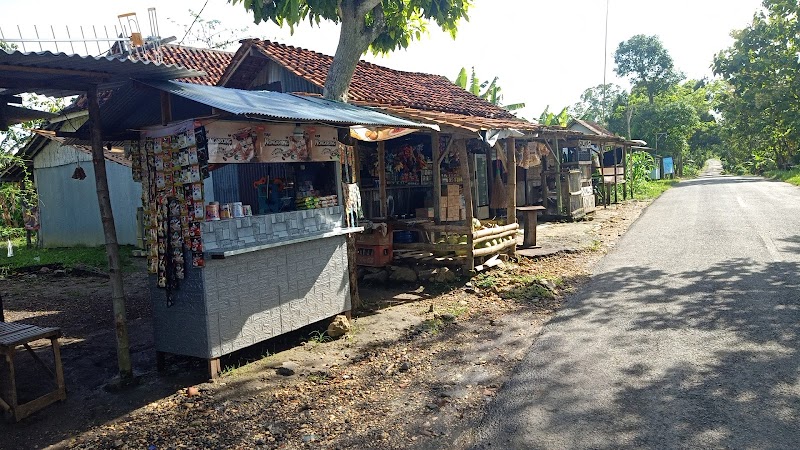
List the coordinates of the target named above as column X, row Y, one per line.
column 33, row 85
column 97, row 76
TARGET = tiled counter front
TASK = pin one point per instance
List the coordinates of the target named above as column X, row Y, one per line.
column 235, row 233
column 247, row 298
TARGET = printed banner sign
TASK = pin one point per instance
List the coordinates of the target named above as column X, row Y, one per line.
column 243, row 142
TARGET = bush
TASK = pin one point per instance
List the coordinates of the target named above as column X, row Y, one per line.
column 12, row 233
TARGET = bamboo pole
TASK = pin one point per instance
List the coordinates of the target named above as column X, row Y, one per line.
column 110, row 233
column 490, row 231
column 437, row 178
column 616, row 182
column 511, row 183
column 463, row 157
column 603, row 175
column 494, row 236
column 545, row 190
column 494, row 249
column 559, row 186
column 382, row 178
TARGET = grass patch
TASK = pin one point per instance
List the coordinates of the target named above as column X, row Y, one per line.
column 789, row 176
column 653, row 188
column 67, row 256
column 318, row 337
column 432, row 326
column 527, row 288
column 485, row 280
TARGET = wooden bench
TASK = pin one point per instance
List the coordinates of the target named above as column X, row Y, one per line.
column 14, row 335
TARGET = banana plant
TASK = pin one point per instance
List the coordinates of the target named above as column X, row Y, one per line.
column 487, row 90
column 548, row 118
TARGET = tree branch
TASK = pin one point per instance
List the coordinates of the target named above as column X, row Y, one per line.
column 365, row 6
column 378, row 23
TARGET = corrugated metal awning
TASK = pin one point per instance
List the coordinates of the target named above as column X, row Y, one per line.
column 283, row 107
column 62, row 75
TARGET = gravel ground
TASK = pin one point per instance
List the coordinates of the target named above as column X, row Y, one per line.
column 418, row 371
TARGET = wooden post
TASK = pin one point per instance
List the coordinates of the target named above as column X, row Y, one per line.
column 356, row 163
column 625, row 172
column 382, row 178
column 463, row 159
column 559, row 187
column 616, row 183
column 2, row 315
column 603, row 175
column 110, row 232
column 437, row 177
column 545, row 190
column 511, row 183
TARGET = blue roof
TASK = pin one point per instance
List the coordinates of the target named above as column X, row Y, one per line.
column 281, row 106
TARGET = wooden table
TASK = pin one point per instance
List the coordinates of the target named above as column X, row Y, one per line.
column 529, row 229
column 14, row 335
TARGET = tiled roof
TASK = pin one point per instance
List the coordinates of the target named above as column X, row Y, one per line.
column 374, row 84
column 212, row 62
column 470, row 123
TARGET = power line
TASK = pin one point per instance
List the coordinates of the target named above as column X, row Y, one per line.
column 197, row 16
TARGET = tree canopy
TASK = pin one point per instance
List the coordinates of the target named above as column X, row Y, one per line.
column 378, row 25
column 761, row 117
column 596, row 103
column 648, row 64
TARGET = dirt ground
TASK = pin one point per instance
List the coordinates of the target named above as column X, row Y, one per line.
column 417, row 370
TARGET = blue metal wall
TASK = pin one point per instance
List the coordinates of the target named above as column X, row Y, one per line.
column 69, row 212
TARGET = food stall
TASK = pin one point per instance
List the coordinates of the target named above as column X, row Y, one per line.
column 244, row 230
column 246, row 221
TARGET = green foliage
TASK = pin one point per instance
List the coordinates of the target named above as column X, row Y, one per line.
column 596, row 103
column 67, row 257
column 654, row 188
column 790, row 176
column 491, row 90
column 645, row 60
column 397, row 22
column 640, row 165
column 548, row 118
column 485, row 280
column 16, row 197
column 319, row 337
column 761, row 127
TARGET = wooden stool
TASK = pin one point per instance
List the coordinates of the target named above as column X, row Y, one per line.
column 529, row 229
column 13, row 335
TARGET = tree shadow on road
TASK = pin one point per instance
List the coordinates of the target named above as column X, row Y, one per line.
column 738, row 389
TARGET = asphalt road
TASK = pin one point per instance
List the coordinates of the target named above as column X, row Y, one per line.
column 688, row 335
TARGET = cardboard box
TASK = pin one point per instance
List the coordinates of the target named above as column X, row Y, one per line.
column 424, row 213
column 451, row 190
column 443, row 212
column 453, row 214
column 462, row 213
column 455, row 202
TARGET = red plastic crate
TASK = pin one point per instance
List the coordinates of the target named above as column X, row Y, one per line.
column 373, row 255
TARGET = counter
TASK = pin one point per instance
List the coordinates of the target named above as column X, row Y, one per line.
column 263, row 276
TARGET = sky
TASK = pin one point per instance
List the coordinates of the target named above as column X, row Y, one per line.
column 545, row 53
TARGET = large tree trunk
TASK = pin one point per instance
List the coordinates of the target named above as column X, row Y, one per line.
column 354, row 39
column 112, row 247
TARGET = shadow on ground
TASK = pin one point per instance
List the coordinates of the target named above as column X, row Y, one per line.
column 743, row 395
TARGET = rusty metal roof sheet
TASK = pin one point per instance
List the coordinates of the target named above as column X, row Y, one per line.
column 61, row 75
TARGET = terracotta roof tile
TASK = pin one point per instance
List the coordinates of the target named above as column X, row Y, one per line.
column 372, row 83
column 213, row 62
